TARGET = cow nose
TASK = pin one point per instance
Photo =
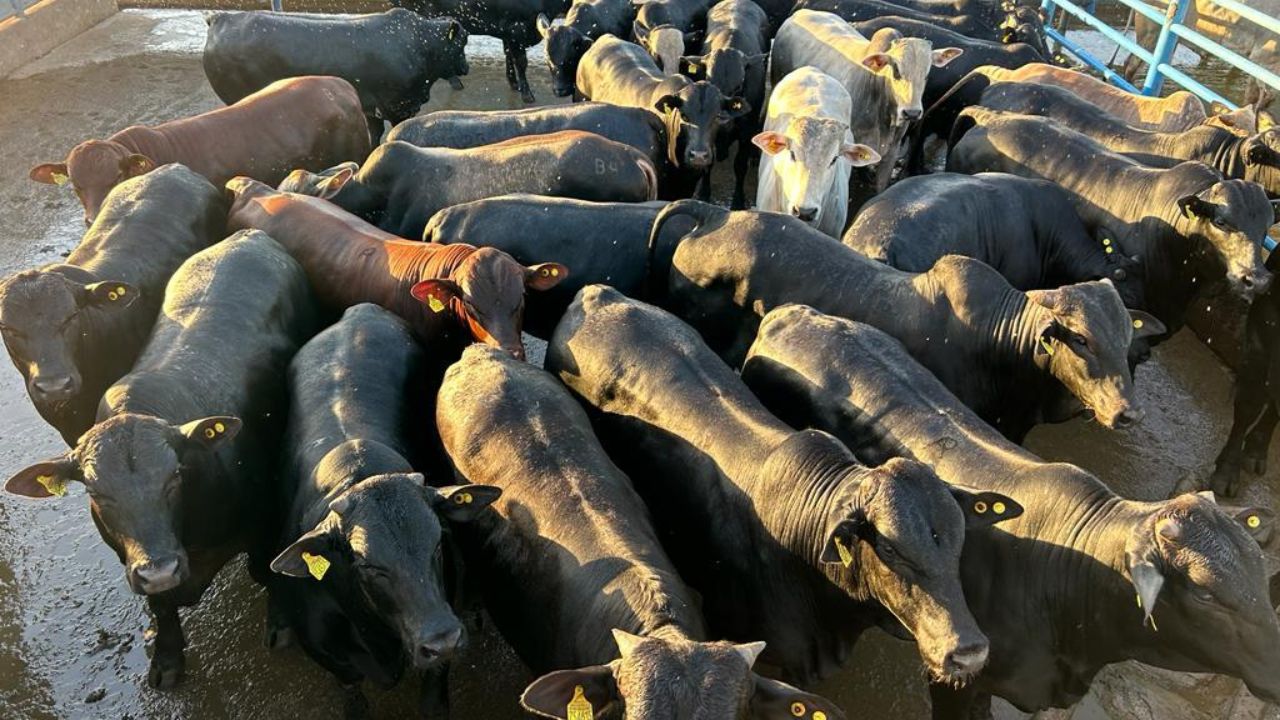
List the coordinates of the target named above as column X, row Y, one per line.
column 806, row 214
column 699, row 158
column 438, row 647
column 967, row 660
column 1129, row 418
column 156, row 576
column 913, row 114
column 58, row 387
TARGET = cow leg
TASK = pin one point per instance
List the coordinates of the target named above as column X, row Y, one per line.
column 167, row 661
column 1258, row 441
column 741, row 163
column 510, row 65
column 703, row 190
column 1249, row 411
column 521, row 60
column 375, row 128
column 433, row 703
column 956, row 703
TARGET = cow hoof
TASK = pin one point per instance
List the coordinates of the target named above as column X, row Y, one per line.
column 1190, row 483
column 1256, row 465
column 1226, row 481
column 456, row 83
column 279, row 638
column 165, row 674
column 528, row 97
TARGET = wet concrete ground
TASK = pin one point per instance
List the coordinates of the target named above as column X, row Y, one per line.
column 71, row 634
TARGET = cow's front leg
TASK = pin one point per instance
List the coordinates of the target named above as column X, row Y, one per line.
column 521, row 61
column 741, row 163
column 703, row 192
column 510, row 64
column 167, row 661
column 1258, row 441
column 433, row 703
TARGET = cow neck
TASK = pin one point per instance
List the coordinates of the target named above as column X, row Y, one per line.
column 1065, row 254
column 1016, row 330
column 414, row 261
column 1227, row 157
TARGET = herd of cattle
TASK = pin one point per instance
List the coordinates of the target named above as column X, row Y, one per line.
column 758, row 432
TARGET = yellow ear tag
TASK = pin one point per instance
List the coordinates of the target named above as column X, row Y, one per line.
column 693, row 67
column 434, row 303
column 555, row 271
column 1253, row 521
column 846, row 557
column 1109, row 249
column 1106, row 241
column 317, row 565
column 980, row 507
column 998, row 507
column 219, row 427
column 1139, row 601
column 210, row 433
column 579, row 707
column 1137, row 324
column 797, row 709
column 113, row 296
column 1047, row 347
column 819, row 715
column 462, row 498
column 53, row 484
column 59, row 179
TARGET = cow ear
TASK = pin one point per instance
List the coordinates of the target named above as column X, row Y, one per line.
column 773, row 700
column 544, row 276
column 1258, row 522
column 455, row 29
column 1143, row 561
column 1193, row 206
column 668, row 103
column 1145, row 324
column 1045, row 343
column 639, row 32
column 44, row 479
column 770, row 142
column 734, row 107
column 51, row 173
column 212, row 432
column 135, row 165
column 334, row 180
column 109, row 294
column 587, row 692
column 842, row 541
column 544, row 25
column 942, row 56
column 860, row 155
column 436, row 293
column 463, row 503
column 983, row 509
column 875, row 62
column 692, row 65
column 310, row 555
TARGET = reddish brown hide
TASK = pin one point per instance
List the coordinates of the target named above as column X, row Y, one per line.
column 312, row 122
column 451, row 291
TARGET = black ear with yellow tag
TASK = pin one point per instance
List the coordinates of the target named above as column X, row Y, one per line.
column 1194, row 206
column 211, row 432
column 842, row 543
column 110, row 294
column 462, row 503
column 982, row 509
column 1258, row 522
column 734, row 107
column 580, row 694
column 773, row 700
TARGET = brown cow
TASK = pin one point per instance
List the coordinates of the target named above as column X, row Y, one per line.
column 452, row 292
column 312, row 122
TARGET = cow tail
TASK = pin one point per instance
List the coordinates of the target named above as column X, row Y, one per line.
column 650, row 177
column 696, row 209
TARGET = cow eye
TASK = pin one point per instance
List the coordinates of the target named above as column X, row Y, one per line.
column 1079, row 339
column 1220, row 223
column 792, row 153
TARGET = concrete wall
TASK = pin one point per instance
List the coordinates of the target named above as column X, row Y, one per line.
column 46, row 25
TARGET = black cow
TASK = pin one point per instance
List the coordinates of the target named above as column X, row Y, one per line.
column 616, row 71
column 1255, row 157
column 514, row 22
column 969, row 25
column 608, row 244
column 1016, row 358
column 565, row 43
column 1055, row 589
column 401, row 186
column 390, row 58
column 169, row 491
column 1182, row 224
column 364, row 557
column 786, row 536
column 687, row 16
column 74, row 327
column 1026, row 229
column 570, row 566
column 734, row 55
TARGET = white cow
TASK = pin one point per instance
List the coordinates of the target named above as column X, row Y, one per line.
column 809, row 151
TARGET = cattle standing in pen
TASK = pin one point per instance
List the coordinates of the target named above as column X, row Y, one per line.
column 451, row 296
column 75, row 327
column 1054, row 589
column 809, row 151
column 968, row 25
column 178, row 466
column 788, row 538
column 1017, row 358
column 570, row 566
column 1181, row 224
column 693, row 113
column 310, row 122
column 363, row 576
column 392, row 59
column 565, row 43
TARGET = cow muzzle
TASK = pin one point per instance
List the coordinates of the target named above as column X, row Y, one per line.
column 54, row 388
column 967, row 661
column 807, row 214
column 434, row 647
column 1252, row 282
column 698, row 159
column 156, row 576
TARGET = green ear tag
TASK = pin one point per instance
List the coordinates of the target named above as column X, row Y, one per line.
column 434, row 303
column 53, row 484
column 317, row 565
column 846, row 557
column 579, row 707
column 59, row 179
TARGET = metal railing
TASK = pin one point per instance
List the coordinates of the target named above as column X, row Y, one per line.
column 9, row 8
column 1159, row 60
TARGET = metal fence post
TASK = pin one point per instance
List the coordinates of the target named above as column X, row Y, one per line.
column 1165, row 46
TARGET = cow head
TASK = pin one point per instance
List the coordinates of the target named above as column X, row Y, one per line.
column 453, row 51
column 44, row 314
column 1202, row 601
column 665, row 44
column 325, row 184
column 486, row 294
column 903, row 529
column 1243, row 121
column 903, row 65
column 1082, row 337
column 380, row 553
column 1231, row 217
column 726, row 68
column 806, row 159
column 660, row 677
column 1261, row 155
column 564, row 46
column 92, row 168
column 133, row 468
column 693, row 113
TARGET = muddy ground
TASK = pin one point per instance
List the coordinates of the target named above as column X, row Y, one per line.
column 72, row 635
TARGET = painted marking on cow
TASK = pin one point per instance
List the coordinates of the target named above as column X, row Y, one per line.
column 317, row 565
column 579, row 707
column 57, row 486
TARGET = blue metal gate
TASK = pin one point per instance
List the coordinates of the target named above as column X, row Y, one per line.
column 14, row 7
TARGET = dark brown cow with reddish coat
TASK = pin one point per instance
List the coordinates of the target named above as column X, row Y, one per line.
column 439, row 289
column 312, row 122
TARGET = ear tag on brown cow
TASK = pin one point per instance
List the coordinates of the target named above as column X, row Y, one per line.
column 797, row 709
column 846, row 557
column 1047, row 347
column 57, row 486
column 317, row 565
column 59, row 179
column 462, row 498
column 579, row 707
column 434, row 303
